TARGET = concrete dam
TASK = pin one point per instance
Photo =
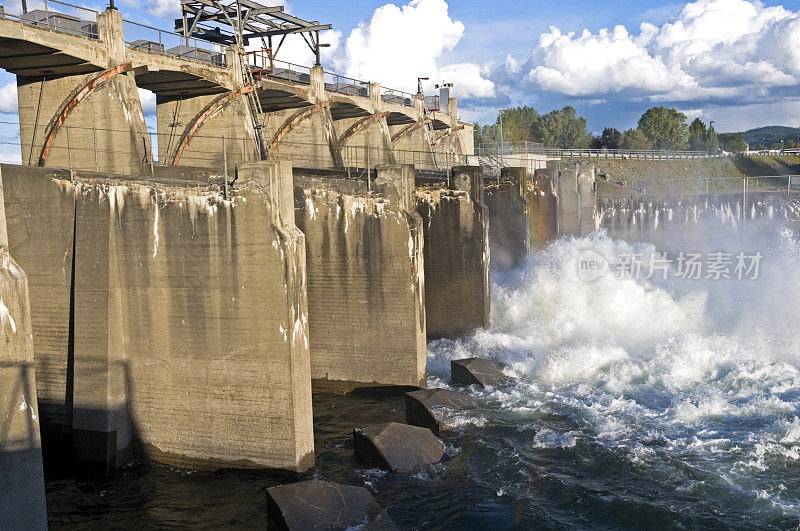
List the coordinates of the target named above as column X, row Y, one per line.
column 179, row 295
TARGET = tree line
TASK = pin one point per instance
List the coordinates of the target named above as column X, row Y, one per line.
column 659, row 128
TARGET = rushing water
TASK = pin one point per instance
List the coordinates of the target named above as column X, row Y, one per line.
column 636, row 402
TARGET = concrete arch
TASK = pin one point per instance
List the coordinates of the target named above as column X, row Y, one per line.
column 72, row 101
column 213, row 107
column 398, row 136
column 290, row 124
column 361, row 124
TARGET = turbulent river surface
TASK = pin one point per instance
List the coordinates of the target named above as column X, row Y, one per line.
column 638, row 402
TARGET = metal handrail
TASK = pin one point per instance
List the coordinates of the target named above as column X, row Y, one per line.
column 209, row 52
column 397, row 96
column 62, row 23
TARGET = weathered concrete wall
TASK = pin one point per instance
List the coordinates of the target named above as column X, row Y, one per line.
column 577, row 198
column 456, row 226
column 190, row 322
column 41, row 211
column 192, row 128
column 511, row 228
column 366, row 298
column 22, row 498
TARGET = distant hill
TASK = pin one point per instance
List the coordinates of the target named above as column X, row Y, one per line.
column 770, row 135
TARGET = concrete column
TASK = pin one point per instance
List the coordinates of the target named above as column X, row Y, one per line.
column 452, row 110
column 577, row 198
column 468, row 179
column 157, row 315
column 101, row 427
column 375, row 96
column 110, row 30
column 511, row 218
column 396, row 182
column 419, row 105
column 317, row 75
column 366, row 297
column 276, row 182
column 22, row 498
column 457, row 255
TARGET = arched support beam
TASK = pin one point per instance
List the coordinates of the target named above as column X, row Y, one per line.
column 210, row 109
column 447, row 132
column 72, row 101
column 411, row 128
column 358, row 126
column 294, row 120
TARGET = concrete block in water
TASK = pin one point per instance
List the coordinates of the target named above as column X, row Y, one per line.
column 324, row 505
column 397, row 447
column 477, row 371
column 425, row 407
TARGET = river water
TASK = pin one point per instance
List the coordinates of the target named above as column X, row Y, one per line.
column 637, row 402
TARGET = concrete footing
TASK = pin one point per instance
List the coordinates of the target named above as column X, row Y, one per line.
column 456, row 221
column 365, row 281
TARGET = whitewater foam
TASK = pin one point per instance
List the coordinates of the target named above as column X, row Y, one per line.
column 669, row 372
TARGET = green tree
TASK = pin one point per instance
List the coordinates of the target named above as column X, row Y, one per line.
column 665, row 128
column 565, row 129
column 520, row 124
column 698, row 135
column 609, row 139
column 634, row 139
column 734, row 142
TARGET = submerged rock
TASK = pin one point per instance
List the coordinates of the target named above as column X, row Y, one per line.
column 397, row 447
column 324, row 505
column 424, row 407
column 478, row 371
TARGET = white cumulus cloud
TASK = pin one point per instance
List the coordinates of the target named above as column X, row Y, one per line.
column 711, row 50
column 398, row 44
column 8, row 98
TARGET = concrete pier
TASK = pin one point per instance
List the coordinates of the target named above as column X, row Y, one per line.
column 456, row 226
column 22, row 498
column 366, row 297
column 176, row 344
column 90, row 121
column 512, row 227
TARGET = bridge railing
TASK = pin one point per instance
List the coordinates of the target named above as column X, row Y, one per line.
column 536, row 148
column 397, row 96
column 150, row 39
column 291, row 72
column 345, row 85
column 53, row 15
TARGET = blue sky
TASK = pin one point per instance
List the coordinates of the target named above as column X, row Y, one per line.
column 722, row 60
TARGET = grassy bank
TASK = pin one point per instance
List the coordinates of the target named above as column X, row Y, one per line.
column 720, row 168
column 691, row 174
